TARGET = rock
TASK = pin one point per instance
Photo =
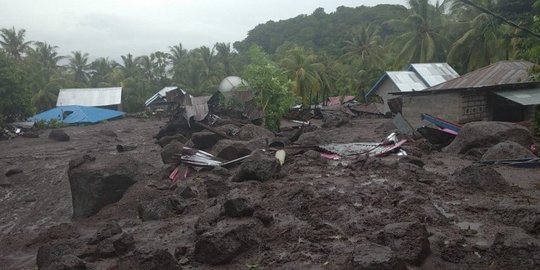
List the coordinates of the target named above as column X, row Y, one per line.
column 312, row 154
column 95, row 184
column 60, row 231
column 215, row 186
column 250, row 131
column 207, row 219
column 371, row 256
column 168, row 139
column 123, row 243
column 109, row 230
column 31, row 134
column 55, row 251
column 229, row 149
column 13, row 171
column 105, row 249
column 266, row 217
column 259, row 166
column 204, row 139
column 58, row 135
column 317, row 137
column 157, row 259
column 180, row 251
column 169, row 152
column 409, row 241
column 485, row 134
column 482, row 178
column 507, row 150
column 526, row 217
column 226, row 240
column 68, row 262
column 413, row 160
column 160, row 208
column 187, row 193
column 514, row 249
column 238, row 207
column 108, row 133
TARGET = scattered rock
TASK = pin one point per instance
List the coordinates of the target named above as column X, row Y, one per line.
column 484, row 134
column 68, row 262
column 108, row 133
column 482, row 178
column 180, row 251
column 368, row 256
column 120, row 148
column 207, row 219
column 187, row 193
column 157, row 259
column 58, row 135
column 169, row 152
column 215, row 186
column 229, row 149
column 413, row 160
column 266, row 217
column 204, row 139
column 312, row 154
column 514, row 249
column 31, row 134
column 409, row 241
column 160, row 208
column 226, row 240
column 108, row 230
column 250, row 131
column 60, row 231
column 526, row 217
column 123, row 243
column 13, row 171
column 168, row 139
column 259, row 166
column 55, row 251
column 95, row 184
column 317, row 137
column 238, row 207
column 507, row 150
column 105, row 249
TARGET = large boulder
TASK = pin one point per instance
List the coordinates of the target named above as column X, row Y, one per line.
column 481, row 178
column 160, row 208
column 148, row 259
column 259, row 166
column 168, row 139
column 507, row 150
column 97, row 182
column 409, row 241
column 170, row 151
column 485, row 134
column 59, row 135
column 514, row 249
column 204, row 139
column 226, row 240
column 250, row 132
column 230, row 149
column 238, row 207
column 60, row 252
column 371, row 256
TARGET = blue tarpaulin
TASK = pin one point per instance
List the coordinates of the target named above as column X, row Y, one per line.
column 77, row 115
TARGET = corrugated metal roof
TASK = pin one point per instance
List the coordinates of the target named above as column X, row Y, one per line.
column 337, row 100
column 92, row 97
column 503, row 72
column 434, row 73
column 406, row 81
column 523, row 97
column 161, row 94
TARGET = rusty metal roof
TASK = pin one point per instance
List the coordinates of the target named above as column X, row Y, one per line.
column 503, row 72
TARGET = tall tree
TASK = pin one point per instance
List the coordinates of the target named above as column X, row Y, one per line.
column 224, row 56
column 178, row 58
column 365, row 45
column 13, row 42
column 128, row 67
column 78, row 65
column 304, row 71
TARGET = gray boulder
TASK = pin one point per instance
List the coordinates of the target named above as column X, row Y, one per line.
column 371, row 256
column 169, row 152
column 482, row 178
column 259, row 166
column 163, row 141
column 514, row 249
column 58, row 135
column 409, row 241
column 96, row 183
column 238, row 207
column 507, row 150
column 148, row 259
column 204, row 139
column 250, row 132
column 160, row 208
column 485, row 134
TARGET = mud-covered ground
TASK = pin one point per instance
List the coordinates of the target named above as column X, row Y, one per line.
column 316, row 214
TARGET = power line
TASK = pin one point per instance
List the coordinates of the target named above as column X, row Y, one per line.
column 501, row 18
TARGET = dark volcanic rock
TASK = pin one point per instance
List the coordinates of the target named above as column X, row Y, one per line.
column 13, row 171
column 95, row 184
column 204, row 139
column 229, row 149
column 482, row 178
column 259, row 166
column 54, row 252
column 108, row 133
column 507, row 150
column 250, row 131
column 371, row 256
column 67, row 262
column 526, row 217
column 215, row 186
column 484, row 134
column 266, row 217
column 514, row 249
column 108, row 230
column 187, row 193
column 159, row 259
column 409, row 241
column 58, row 135
column 123, row 243
column 169, row 152
column 238, row 207
column 413, row 160
column 226, row 240
column 168, row 139
column 160, row 208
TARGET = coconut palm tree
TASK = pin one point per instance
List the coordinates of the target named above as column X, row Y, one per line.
column 13, row 42
column 100, row 70
column 365, row 45
column 224, row 56
column 304, row 71
column 78, row 65
column 128, row 67
column 178, row 58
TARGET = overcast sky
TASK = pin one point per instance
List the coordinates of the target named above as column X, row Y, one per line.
column 117, row 27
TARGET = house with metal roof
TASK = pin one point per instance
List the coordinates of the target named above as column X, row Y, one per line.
column 159, row 99
column 502, row 91
column 417, row 77
column 106, row 98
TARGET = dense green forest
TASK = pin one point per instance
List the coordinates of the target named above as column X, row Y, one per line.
column 302, row 59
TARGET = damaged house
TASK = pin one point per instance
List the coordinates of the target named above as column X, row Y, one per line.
column 499, row 92
column 417, row 77
column 159, row 102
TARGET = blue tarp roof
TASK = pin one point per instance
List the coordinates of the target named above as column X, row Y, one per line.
column 77, row 115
